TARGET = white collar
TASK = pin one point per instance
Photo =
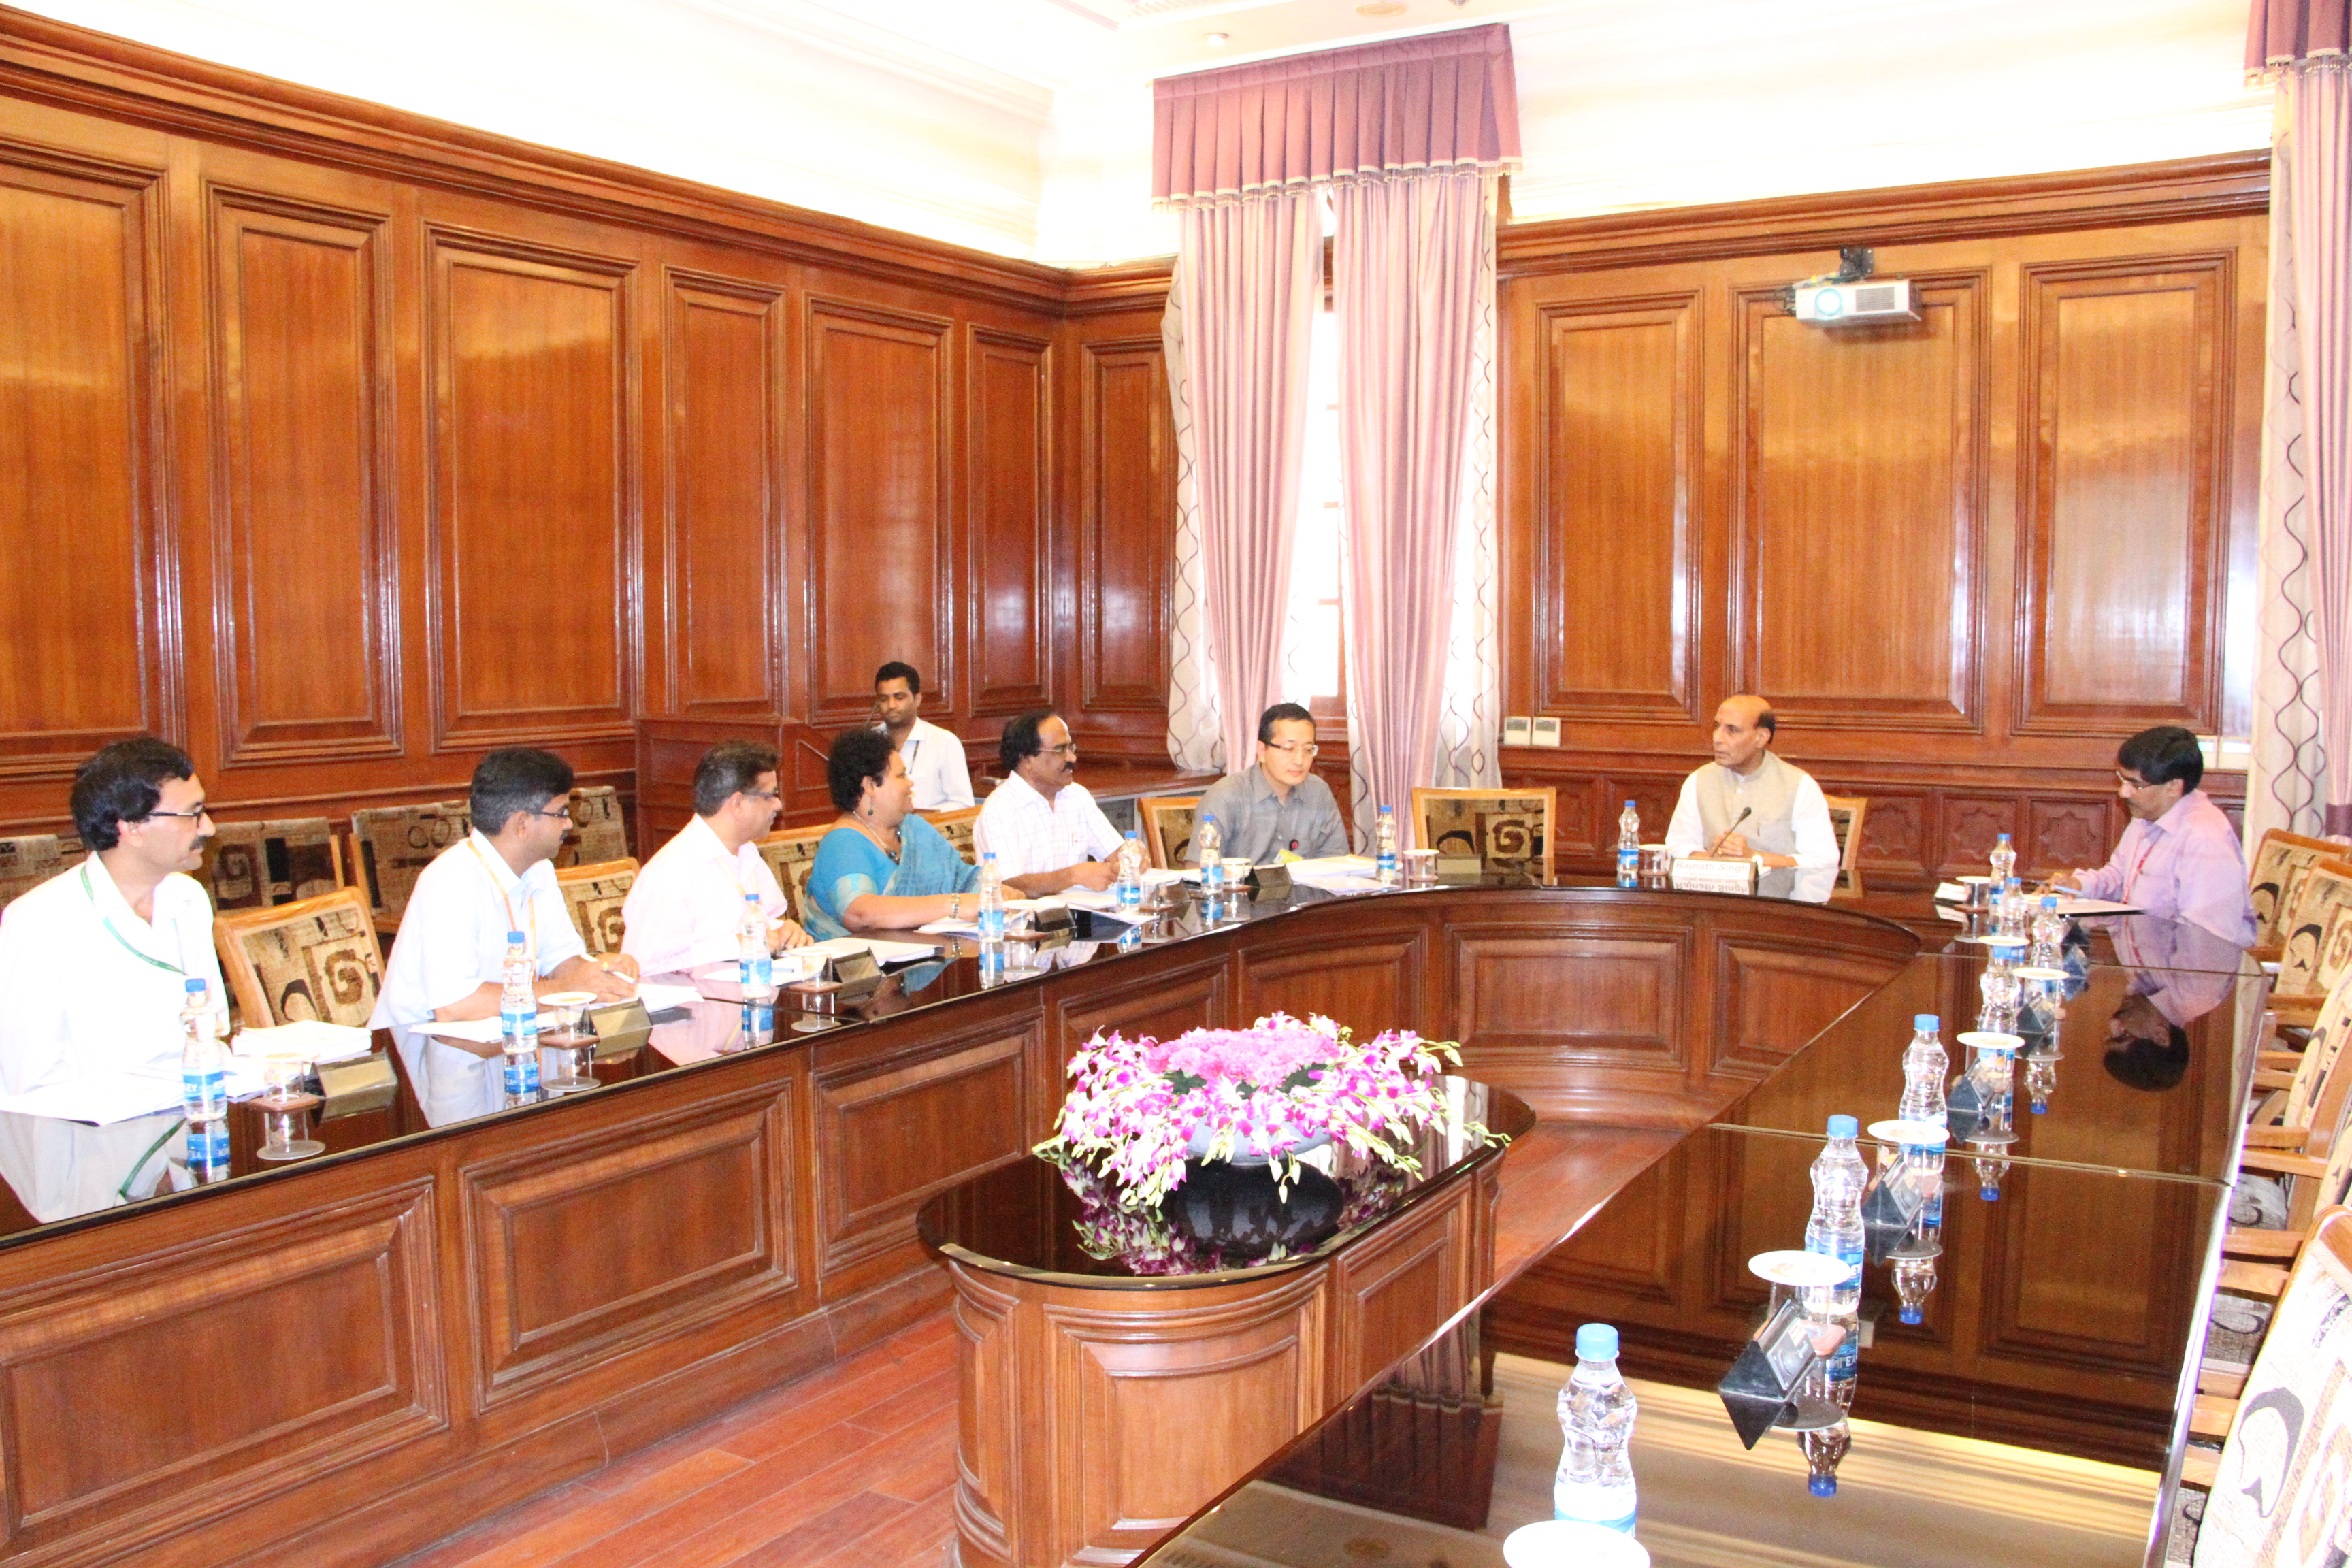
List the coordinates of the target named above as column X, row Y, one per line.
column 707, row 845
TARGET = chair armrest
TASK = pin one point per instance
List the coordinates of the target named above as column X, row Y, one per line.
column 2277, row 1137
column 2212, row 1415
column 2263, row 1280
column 2251, row 1241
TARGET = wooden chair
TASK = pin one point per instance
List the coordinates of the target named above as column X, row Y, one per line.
column 254, row 864
column 1846, row 814
column 956, row 827
column 1168, row 827
column 2317, row 894
column 1506, row 829
column 2276, row 859
column 593, row 896
column 790, row 854
column 599, row 834
column 391, row 844
column 27, row 861
column 314, row 958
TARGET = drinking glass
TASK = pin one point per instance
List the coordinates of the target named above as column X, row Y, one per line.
column 285, row 1105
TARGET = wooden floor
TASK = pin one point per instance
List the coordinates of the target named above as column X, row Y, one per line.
column 853, row 1467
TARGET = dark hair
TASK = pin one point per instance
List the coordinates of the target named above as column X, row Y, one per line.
column 513, row 779
column 727, row 769
column 2163, row 754
column 856, row 756
column 122, row 783
column 1280, row 713
column 1768, row 721
column 2148, row 1064
column 1020, row 740
column 894, row 670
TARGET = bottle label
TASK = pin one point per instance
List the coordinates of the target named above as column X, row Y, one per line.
column 1629, row 867
column 520, row 1025
column 205, row 1088
column 991, row 925
column 522, row 1072
column 758, row 973
column 208, row 1148
column 1625, row 1523
column 1213, row 876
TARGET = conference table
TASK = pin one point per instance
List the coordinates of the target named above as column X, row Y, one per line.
column 429, row 1322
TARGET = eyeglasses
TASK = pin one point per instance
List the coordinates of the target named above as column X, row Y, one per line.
column 564, row 815
column 196, row 815
column 2131, row 782
column 1070, row 749
column 759, row 794
column 1292, row 748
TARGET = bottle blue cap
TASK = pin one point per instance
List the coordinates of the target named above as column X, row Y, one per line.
column 195, row 986
column 1212, row 817
column 2005, row 838
column 1843, row 1126
column 1384, row 811
column 513, row 937
column 1131, row 833
column 1989, row 1195
column 1925, row 1022
column 1596, row 1342
column 1909, row 1314
column 1629, row 806
column 2049, row 901
column 1823, row 1486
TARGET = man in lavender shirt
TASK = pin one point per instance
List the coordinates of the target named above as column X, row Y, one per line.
column 2179, row 859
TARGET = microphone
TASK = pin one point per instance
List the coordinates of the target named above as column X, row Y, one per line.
column 1745, row 813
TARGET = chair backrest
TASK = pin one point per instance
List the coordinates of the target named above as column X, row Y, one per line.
column 1506, row 829
column 314, row 958
column 1168, row 827
column 2321, row 1078
column 2276, row 858
column 1846, row 814
column 790, row 854
column 254, row 865
column 593, row 896
column 26, row 862
column 2322, row 893
column 599, row 834
column 955, row 827
column 392, row 844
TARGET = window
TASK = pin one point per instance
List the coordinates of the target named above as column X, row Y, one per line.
column 1314, row 672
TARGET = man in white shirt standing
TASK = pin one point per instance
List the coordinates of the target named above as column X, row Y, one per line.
column 934, row 757
column 1749, row 805
column 95, row 961
column 685, row 906
column 1046, row 831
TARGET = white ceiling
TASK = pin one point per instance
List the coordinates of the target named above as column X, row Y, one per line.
column 1024, row 126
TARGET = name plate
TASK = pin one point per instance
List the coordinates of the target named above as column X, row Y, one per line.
column 1692, row 875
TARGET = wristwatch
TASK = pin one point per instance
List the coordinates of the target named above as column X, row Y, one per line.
column 955, row 906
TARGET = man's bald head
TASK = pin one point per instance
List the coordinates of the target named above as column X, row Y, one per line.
column 1743, row 731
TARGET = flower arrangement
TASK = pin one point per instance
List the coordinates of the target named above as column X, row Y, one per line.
column 1137, row 1109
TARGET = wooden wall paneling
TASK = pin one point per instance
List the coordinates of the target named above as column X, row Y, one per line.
column 1857, row 516
column 306, row 550
column 880, row 415
column 1008, row 572
column 1390, row 1295
column 725, row 357
column 1775, row 996
column 91, row 600
column 2124, row 543
column 1382, row 981
column 1973, row 823
column 1126, row 507
column 534, row 465
column 2108, row 1344
column 1579, row 1025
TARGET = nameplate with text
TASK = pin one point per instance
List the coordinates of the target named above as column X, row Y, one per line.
column 1692, row 875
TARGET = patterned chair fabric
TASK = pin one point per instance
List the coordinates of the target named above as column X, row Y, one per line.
column 1507, row 830
column 2277, row 859
column 594, row 895
column 391, row 844
column 599, row 833
column 2315, row 931
column 314, row 958
column 955, row 827
column 790, row 855
column 1168, row 827
column 1846, row 814
column 253, row 865
column 29, row 861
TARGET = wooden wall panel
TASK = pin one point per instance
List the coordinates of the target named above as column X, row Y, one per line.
column 533, row 476
column 302, row 306
column 881, row 550
column 723, row 525
column 87, row 601
column 1537, row 1003
column 2126, row 410
column 1008, row 576
column 1128, row 528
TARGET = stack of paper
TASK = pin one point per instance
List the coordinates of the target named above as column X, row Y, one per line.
column 307, row 1038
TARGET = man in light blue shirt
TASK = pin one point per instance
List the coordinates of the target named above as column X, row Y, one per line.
column 1278, row 810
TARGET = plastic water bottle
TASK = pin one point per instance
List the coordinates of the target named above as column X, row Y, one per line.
column 1384, row 849
column 1595, row 1483
column 1915, row 1281
column 1823, row 1446
column 518, row 1019
column 2049, row 930
column 1835, row 1230
column 1629, row 846
column 1925, row 1068
column 1128, row 885
column 990, row 920
column 203, row 1091
column 755, row 965
column 2004, row 861
column 1208, row 847
column 2008, row 909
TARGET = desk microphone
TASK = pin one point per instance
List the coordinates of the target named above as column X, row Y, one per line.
column 1745, row 812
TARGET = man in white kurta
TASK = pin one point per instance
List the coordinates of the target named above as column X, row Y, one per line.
column 1749, row 805
column 685, row 906
column 95, row 961
column 1044, row 829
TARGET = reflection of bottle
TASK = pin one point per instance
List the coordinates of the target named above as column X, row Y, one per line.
column 518, row 1021
column 2041, row 1083
column 2049, row 928
column 1915, row 1281
column 1595, row 1481
column 204, row 1097
column 1823, row 1447
column 1384, row 847
column 1629, row 846
column 1835, row 1230
column 1924, row 1066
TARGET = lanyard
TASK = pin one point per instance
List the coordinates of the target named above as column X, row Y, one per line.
column 2133, row 874
column 107, row 921
column 509, row 903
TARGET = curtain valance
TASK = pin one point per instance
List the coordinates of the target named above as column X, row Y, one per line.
column 1447, row 100
column 2281, row 34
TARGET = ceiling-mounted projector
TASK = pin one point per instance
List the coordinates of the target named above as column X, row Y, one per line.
column 1865, row 301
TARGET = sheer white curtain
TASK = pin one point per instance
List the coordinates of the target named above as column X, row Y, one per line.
column 1194, row 741
column 1470, row 719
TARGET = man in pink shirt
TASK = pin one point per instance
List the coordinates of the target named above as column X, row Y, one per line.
column 2178, row 857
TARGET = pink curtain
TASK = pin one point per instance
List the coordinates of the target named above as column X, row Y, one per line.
column 2322, row 104
column 1249, row 278
column 2283, row 32
column 1412, row 268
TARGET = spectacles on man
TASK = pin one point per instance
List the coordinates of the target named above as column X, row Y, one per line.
column 563, row 815
column 200, row 812
column 1293, row 748
column 760, row 795
column 2131, row 780
column 1069, row 748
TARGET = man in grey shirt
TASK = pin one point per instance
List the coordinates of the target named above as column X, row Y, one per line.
column 1279, row 807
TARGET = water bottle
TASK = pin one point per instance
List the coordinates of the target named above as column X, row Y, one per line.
column 1915, row 1281
column 1128, row 886
column 1835, row 1230
column 1823, row 1446
column 2049, row 930
column 203, row 1091
column 1629, row 846
column 2009, row 910
column 755, row 966
column 1384, row 849
column 1925, row 1066
column 518, row 1019
column 990, row 920
column 1208, row 845
column 2004, row 861
column 1595, row 1483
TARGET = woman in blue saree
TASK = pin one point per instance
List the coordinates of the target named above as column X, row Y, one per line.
column 881, row 868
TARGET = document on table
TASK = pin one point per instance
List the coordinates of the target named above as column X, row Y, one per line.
column 107, row 1098
column 883, row 952
column 1339, row 873
column 309, row 1037
column 660, row 998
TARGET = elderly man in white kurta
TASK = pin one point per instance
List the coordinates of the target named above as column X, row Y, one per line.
column 95, row 961
column 685, row 908
column 1749, row 805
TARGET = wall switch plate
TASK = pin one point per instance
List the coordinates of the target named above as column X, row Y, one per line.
column 1515, row 729
column 1544, row 732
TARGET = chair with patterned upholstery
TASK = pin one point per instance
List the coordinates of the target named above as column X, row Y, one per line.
column 27, row 861
column 1168, row 827
column 253, row 865
column 599, row 833
column 594, row 895
column 2277, row 860
column 790, row 854
column 955, row 827
column 314, row 958
column 391, row 844
column 1506, row 829
column 1846, row 814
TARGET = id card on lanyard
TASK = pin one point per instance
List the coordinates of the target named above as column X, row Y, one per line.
column 530, row 904
column 89, row 891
